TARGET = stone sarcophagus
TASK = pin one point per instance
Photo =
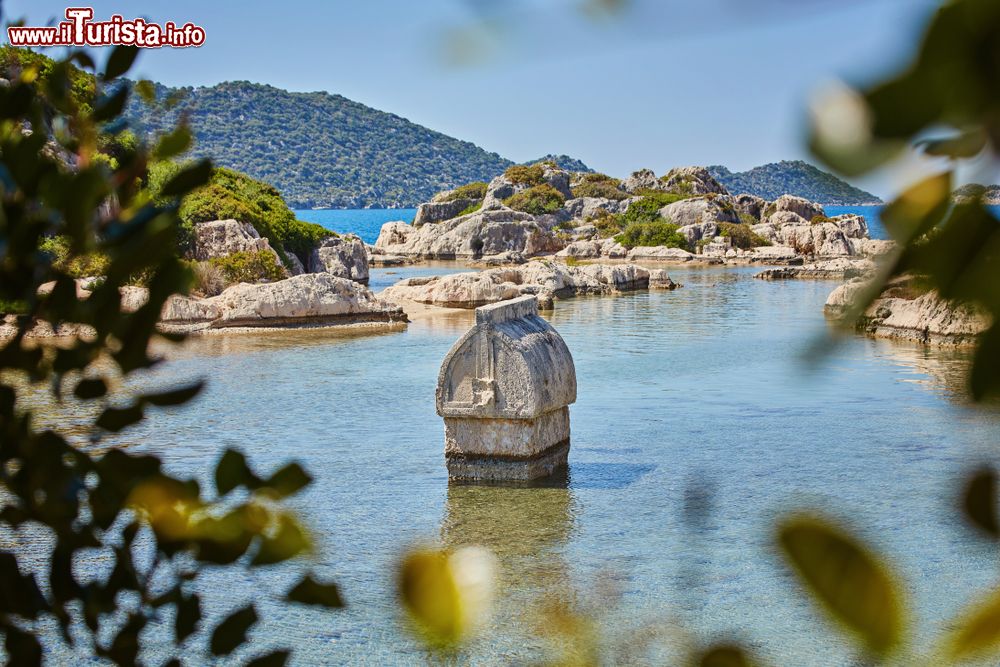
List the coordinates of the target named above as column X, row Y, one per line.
column 504, row 391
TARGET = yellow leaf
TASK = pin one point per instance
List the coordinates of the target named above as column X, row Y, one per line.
column 851, row 583
column 977, row 630
column 446, row 595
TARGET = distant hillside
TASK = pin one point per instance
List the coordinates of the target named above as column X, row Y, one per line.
column 320, row 150
column 989, row 195
column 793, row 177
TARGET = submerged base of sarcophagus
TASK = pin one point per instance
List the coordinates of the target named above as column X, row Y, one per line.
column 507, row 449
column 503, row 391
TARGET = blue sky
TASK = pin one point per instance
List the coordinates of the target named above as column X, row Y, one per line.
column 656, row 84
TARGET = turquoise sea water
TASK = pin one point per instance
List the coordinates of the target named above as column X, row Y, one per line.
column 366, row 223
column 701, row 393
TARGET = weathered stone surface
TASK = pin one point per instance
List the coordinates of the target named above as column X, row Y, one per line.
column 582, row 250
column 341, row 256
column 643, row 179
column 700, row 210
column 798, row 205
column 660, row 254
column 294, row 266
column 588, row 208
column 182, row 309
column 751, row 205
column 872, row 247
column 219, row 238
column 555, row 279
column 488, row 232
column 660, row 279
column 691, row 180
column 833, row 269
column 503, row 390
column 904, row 311
column 432, row 212
column 311, row 297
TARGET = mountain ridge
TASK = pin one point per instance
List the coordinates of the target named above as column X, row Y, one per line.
column 793, row 177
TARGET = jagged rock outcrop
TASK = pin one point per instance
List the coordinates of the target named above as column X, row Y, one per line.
column 797, row 205
column 473, row 236
column 431, row 212
column 643, row 179
column 342, row 256
column 906, row 311
column 701, row 210
column 692, row 180
column 751, row 205
column 219, row 238
column 547, row 279
column 588, row 208
column 502, row 187
column 503, row 390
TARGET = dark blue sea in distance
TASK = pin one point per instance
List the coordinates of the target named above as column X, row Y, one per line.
column 366, row 222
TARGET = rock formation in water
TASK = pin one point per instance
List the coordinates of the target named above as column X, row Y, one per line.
column 905, row 310
column 341, row 256
column 546, row 279
column 544, row 210
column 312, row 299
column 504, row 391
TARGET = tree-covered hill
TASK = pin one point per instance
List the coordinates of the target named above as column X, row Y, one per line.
column 793, row 177
column 319, row 149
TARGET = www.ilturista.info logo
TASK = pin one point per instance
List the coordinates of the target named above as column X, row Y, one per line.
column 79, row 30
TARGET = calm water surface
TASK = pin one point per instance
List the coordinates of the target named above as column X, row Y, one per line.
column 701, row 392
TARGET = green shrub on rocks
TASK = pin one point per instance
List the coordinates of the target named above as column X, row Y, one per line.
column 819, row 220
column 648, row 208
column 608, row 224
column 471, row 208
column 608, row 189
column 742, row 236
column 249, row 267
column 537, row 200
column 230, row 194
column 748, row 219
column 520, row 174
column 659, row 233
column 475, row 190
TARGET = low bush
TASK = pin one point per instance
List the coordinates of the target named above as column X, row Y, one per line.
column 13, row 307
column 820, row 219
column 471, row 208
column 476, row 190
column 648, row 208
column 249, row 267
column 209, row 278
column 742, row 236
column 659, row 233
column 608, row 189
column 537, row 200
column 609, row 224
column 520, row 174
column 76, row 266
column 748, row 219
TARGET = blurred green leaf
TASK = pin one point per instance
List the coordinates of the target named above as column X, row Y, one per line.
column 90, row 388
column 309, row 591
column 979, row 501
column 289, row 541
column 273, row 659
column 188, row 616
column 173, row 144
column 847, row 580
column 174, row 396
column 116, row 419
column 232, row 471
column 120, row 61
column 726, row 655
column 965, row 145
column 232, row 631
column 289, row 480
column 188, row 179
